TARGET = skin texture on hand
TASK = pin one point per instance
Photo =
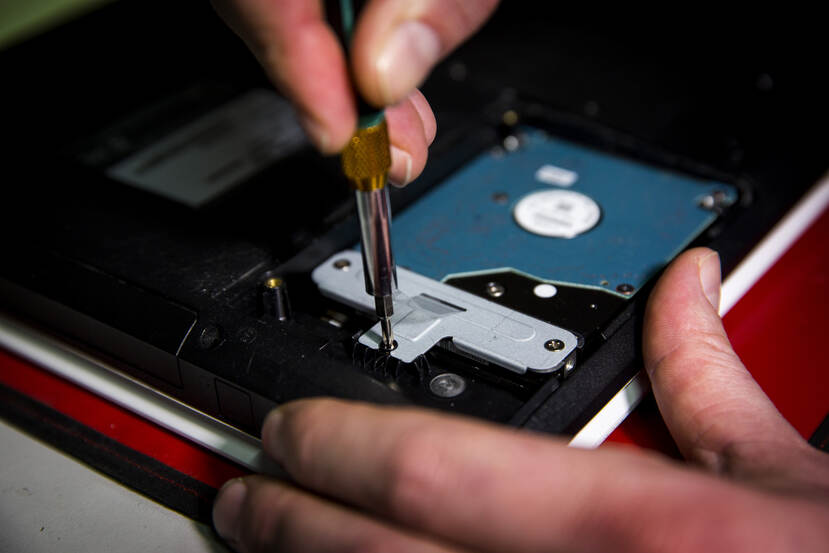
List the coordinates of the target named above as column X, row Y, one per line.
column 370, row 478
column 395, row 45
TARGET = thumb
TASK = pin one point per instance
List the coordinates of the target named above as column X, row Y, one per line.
column 715, row 411
column 397, row 42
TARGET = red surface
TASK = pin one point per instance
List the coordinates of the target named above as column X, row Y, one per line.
column 115, row 422
column 778, row 329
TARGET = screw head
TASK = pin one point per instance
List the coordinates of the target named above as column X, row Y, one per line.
column 383, row 349
column 447, row 385
column 247, row 334
column 511, row 143
column 495, row 290
column 715, row 201
column 342, row 264
column 554, row 345
column 626, row 289
column 210, row 337
column 273, row 282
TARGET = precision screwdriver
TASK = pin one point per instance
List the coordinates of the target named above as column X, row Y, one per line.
column 366, row 161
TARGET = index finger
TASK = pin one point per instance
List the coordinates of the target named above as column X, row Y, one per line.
column 491, row 488
column 301, row 54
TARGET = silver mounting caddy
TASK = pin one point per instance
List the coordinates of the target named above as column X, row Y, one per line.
column 428, row 312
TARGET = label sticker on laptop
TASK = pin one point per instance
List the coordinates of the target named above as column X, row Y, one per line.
column 204, row 158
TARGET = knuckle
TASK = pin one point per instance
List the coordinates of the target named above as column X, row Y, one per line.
column 706, row 350
column 715, row 342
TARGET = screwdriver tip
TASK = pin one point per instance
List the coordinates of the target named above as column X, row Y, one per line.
column 387, row 343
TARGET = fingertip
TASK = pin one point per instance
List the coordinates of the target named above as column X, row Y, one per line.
column 392, row 52
column 680, row 305
column 409, row 143
column 271, row 431
column 310, row 69
column 710, row 278
column 406, row 57
column 329, row 137
column 316, row 132
column 228, row 507
column 427, row 116
column 400, row 173
column 397, row 43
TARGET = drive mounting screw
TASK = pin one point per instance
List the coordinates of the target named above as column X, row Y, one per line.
column 494, row 289
column 447, row 385
column 554, row 345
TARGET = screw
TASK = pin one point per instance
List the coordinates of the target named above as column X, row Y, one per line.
column 554, row 345
column 247, row 334
column 447, row 385
column 509, row 118
column 381, row 347
column 342, row 264
column 626, row 289
column 511, row 143
column 210, row 337
column 494, row 289
column 715, row 201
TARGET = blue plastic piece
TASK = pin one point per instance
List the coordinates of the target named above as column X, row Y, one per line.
column 465, row 225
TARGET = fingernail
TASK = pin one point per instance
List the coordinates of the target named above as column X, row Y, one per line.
column 401, row 163
column 709, row 276
column 270, row 433
column 407, row 56
column 316, row 132
column 228, row 507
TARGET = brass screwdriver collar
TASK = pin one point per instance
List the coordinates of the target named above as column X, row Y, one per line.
column 366, row 159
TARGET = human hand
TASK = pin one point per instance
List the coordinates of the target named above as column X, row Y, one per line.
column 396, row 43
column 371, row 478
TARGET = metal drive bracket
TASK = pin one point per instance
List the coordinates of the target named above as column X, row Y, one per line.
column 427, row 311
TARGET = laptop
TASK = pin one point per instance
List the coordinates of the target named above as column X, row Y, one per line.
column 166, row 220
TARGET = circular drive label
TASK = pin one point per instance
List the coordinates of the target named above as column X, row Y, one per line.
column 557, row 213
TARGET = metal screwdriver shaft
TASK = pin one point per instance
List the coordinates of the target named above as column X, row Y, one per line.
column 366, row 161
